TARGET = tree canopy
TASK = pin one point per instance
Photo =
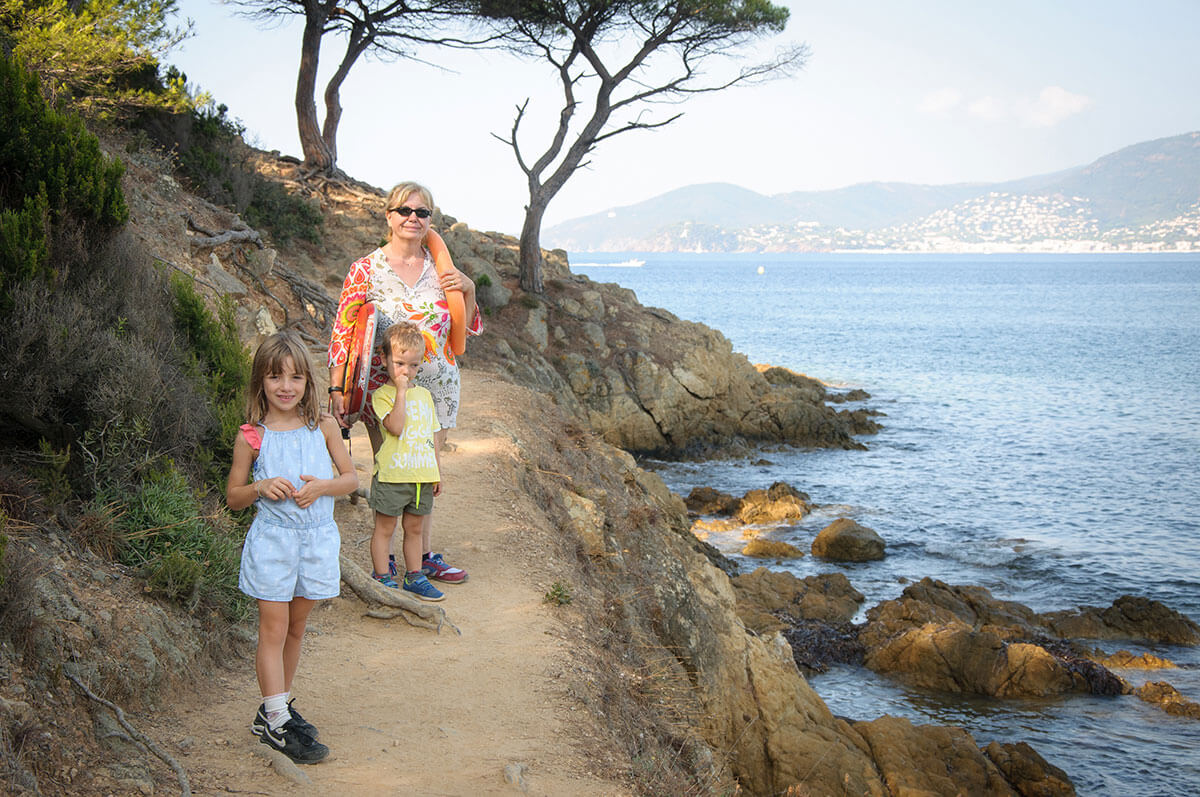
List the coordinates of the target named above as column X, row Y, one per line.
column 99, row 56
column 386, row 29
column 626, row 56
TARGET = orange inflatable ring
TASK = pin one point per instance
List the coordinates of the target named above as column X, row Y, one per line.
column 358, row 362
column 454, row 298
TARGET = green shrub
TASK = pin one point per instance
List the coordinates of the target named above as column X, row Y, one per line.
column 286, row 216
column 214, row 162
column 220, row 359
column 124, row 379
column 205, row 141
column 53, row 171
column 51, row 469
column 184, row 555
column 559, row 594
column 19, row 612
column 483, row 280
column 98, row 368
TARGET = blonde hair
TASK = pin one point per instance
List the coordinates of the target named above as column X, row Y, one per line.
column 396, row 197
column 269, row 360
column 404, row 336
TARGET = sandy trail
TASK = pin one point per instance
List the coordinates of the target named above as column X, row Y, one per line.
column 406, row 710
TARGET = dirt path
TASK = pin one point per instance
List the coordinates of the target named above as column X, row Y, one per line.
column 405, row 710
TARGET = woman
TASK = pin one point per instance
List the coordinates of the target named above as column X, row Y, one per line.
column 400, row 279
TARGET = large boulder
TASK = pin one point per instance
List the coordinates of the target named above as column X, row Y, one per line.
column 778, row 503
column 844, row 540
column 955, row 658
column 1130, row 617
column 1027, row 772
column 1167, row 697
column 828, row 597
column 760, row 548
column 928, row 760
column 975, row 606
column 961, row 639
column 707, row 501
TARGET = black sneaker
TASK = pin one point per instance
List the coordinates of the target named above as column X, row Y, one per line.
column 294, row 743
column 303, row 725
column 260, row 720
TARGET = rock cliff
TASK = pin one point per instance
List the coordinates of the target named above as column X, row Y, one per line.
column 735, row 695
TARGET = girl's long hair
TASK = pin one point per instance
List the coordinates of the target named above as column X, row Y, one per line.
column 268, row 360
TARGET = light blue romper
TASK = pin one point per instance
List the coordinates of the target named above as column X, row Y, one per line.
column 292, row 552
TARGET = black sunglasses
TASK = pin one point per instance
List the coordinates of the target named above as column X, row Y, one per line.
column 405, row 210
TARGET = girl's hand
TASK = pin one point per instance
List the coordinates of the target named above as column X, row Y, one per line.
column 312, row 489
column 437, row 489
column 276, row 488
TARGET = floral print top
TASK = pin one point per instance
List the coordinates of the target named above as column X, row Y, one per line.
column 371, row 279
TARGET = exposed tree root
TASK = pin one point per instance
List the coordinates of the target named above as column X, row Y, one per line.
column 386, row 604
column 185, row 788
column 229, row 236
column 283, row 766
column 313, row 298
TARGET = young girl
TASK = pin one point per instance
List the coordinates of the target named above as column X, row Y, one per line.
column 290, row 558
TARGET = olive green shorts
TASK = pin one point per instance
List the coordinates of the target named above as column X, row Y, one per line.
column 396, row 499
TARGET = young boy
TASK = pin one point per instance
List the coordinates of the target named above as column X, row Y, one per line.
column 407, row 465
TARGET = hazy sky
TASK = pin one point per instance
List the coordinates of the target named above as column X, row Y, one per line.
column 916, row 91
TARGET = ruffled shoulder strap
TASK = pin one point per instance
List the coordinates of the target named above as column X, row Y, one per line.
column 250, row 432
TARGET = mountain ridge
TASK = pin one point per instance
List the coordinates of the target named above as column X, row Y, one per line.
column 1145, row 196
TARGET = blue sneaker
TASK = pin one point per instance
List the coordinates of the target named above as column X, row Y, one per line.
column 385, row 580
column 419, row 585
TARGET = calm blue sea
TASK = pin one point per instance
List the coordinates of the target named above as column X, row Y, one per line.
column 1042, row 439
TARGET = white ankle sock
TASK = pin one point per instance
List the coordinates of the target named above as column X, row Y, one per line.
column 276, row 709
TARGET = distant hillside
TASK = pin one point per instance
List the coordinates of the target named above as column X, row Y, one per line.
column 868, row 206
column 1146, row 196
column 623, row 228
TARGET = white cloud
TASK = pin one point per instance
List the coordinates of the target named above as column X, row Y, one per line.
column 940, row 101
column 1053, row 105
column 989, row 109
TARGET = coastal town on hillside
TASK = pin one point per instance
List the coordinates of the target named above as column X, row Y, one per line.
column 995, row 222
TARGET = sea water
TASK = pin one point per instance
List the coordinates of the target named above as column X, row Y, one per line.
column 1041, row 439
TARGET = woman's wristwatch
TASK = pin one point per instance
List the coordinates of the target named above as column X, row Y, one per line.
column 335, row 389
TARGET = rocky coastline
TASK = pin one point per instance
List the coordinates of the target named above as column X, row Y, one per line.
column 644, row 382
column 682, row 656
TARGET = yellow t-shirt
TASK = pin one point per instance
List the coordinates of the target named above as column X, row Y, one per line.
column 409, row 458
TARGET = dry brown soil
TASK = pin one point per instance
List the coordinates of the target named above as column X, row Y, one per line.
column 405, row 710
